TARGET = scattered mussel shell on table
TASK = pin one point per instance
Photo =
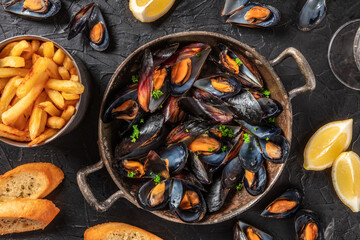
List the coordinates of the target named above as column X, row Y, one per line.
column 91, row 21
column 284, row 206
column 33, row 9
column 244, row 231
column 312, row 14
column 307, row 225
column 255, row 183
column 255, row 15
column 232, row 6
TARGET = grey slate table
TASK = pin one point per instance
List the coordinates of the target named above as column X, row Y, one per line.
column 330, row 101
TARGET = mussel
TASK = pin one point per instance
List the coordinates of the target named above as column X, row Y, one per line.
column 33, row 9
column 145, row 85
column 200, row 169
column 221, row 86
column 172, row 112
column 263, row 130
column 232, row 6
column 154, row 195
column 270, row 107
column 256, row 15
column 176, row 194
column 312, row 14
column 284, row 206
column 206, row 97
column 176, row 157
column 244, row 231
column 307, row 226
column 232, row 174
column 276, row 149
column 216, row 195
column 130, row 168
column 255, row 183
column 163, row 54
column 250, row 154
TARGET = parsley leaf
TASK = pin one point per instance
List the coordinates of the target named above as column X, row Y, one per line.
column 265, row 92
column 272, row 119
column 142, row 120
column 157, row 179
column 135, row 78
column 238, row 61
column 206, row 132
column 131, row 174
column 251, row 149
column 211, row 149
column 187, row 130
column 157, row 94
column 198, row 56
column 246, row 138
column 255, row 129
column 224, row 148
column 267, row 139
column 135, row 134
column 239, row 187
column 226, row 132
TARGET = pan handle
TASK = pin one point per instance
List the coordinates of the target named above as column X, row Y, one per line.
column 87, row 192
column 304, row 68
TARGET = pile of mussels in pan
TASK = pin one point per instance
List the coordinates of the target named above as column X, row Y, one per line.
column 252, row 15
column 194, row 139
column 33, row 9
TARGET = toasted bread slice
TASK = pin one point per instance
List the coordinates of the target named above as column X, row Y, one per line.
column 22, row 215
column 32, row 180
column 117, row 231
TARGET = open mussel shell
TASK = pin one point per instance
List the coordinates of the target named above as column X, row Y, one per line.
column 270, row 107
column 232, row 174
column 199, row 109
column 189, row 177
column 152, row 135
column 206, row 97
column 145, row 84
column 188, row 130
column 276, row 149
column 192, row 207
column 48, row 8
column 99, row 34
column 255, row 15
column 232, row 6
column 312, row 14
column 250, row 155
column 176, row 156
column 176, row 194
column 200, row 169
column 245, row 107
column 172, row 112
column 216, row 195
column 130, row 168
column 80, row 21
column 284, row 206
column 221, row 86
column 263, row 130
column 154, row 196
column 160, row 83
column 244, row 231
column 154, row 165
column 255, row 183
column 307, row 226
column 161, row 55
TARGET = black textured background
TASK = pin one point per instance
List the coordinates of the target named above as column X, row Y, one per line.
column 330, row 101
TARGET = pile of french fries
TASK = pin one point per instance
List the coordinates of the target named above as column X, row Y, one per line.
column 39, row 89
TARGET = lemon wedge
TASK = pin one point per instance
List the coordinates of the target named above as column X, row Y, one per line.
column 150, row 10
column 346, row 179
column 326, row 144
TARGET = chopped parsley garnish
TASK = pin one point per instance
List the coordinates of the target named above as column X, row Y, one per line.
column 157, row 94
column 135, row 78
column 246, row 138
column 142, row 120
column 157, row 179
column 226, row 132
column 251, row 149
column 238, row 61
column 206, row 131
column 257, row 144
column 267, row 139
column 186, row 130
column 198, row 56
column 224, row 148
column 239, row 187
column 135, row 134
column 255, row 129
column 211, row 149
column 265, row 92
column 272, row 119
column 131, row 174
column 161, row 106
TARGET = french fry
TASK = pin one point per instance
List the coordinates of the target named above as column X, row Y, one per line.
column 73, row 71
column 37, row 74
column 38, row 118
column 40, row 51
column 19, row 48
column 13, row 102
column 35, row 44
column 74, row 78
column 12, row 114
column 34, row 58
column 68, row 64
column 64, row 73
column 8, row 94
column 28, row 64
column 27, row 55
column 59, row 57
column 18, row 81
column 12, row 131
column 15, row 62
column 11, row 72
column 7, row 49
column 3, row 82
column 70, row 96
column 55, row 122
column 66, row 86
column 50, row 108
column 22, row 121
column 48, row 133
column 68, row 112
column 56, row 97
column 52, row 68
column 49, row 50
column 70, row 103
column 14, row 137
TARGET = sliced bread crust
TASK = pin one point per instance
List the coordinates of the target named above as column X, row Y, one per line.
column 118, row 231
column 21, row 215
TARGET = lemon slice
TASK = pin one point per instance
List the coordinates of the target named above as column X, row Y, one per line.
column 150, row 10
column 346, row 179
column 326, row 144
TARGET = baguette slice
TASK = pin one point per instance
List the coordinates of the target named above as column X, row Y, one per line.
column 23, row 215
column 117, row 231
column 32, row 180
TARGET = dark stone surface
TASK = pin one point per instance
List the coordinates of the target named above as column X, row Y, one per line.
column 330, row 101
